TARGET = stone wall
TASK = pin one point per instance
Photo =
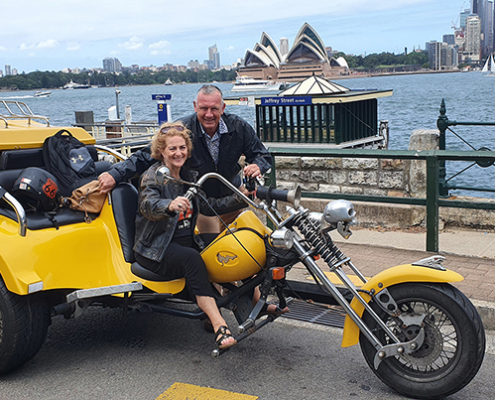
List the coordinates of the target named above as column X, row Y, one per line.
column 377, row 177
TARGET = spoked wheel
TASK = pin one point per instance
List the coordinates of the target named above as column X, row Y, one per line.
column 23, row 325
column 453, row 348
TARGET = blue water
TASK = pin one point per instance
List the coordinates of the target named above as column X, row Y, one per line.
column 414, row 105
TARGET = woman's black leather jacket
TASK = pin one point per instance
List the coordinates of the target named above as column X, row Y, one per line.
column 155, row 225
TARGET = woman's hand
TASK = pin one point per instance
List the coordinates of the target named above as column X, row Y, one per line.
column 179, row 204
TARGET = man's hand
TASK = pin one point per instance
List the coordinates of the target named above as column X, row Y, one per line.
column 107, row 182
column 252, row 171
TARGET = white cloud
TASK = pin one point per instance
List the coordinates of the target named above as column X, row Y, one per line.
column 25, row 46
column 159, row 45
column 134, row 43
column 3, row 48
column 48, row 44
column 159, row 48
column 230, row 48
column 73, row 46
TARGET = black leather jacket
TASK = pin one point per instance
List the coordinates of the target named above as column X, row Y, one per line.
column 155, row 225
column 240, row 139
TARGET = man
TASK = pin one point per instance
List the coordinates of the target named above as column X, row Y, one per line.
column 219, row 140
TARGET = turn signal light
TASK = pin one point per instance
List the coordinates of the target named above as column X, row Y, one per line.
column 278, row 273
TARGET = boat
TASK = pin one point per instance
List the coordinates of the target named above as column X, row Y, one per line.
column 249, row 84
column 72, row 85
column 168, row 82
column 41, row 93
column 489, row 66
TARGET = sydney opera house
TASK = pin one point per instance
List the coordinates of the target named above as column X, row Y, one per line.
column 307, row 57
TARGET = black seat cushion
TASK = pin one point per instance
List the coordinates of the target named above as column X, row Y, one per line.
column 23, row 158
column 124, row 199
column 138, row 270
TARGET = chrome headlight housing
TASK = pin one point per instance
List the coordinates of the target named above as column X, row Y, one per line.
column 282, row 238
column 339, row 211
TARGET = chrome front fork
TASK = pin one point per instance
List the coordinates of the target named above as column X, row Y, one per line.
column 394, row 349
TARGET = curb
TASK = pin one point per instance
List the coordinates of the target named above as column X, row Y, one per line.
column 486, row 310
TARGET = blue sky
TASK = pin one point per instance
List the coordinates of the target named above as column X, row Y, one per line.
column 57, row 34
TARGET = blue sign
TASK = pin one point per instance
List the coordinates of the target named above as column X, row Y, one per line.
column 162, row 113
column 161, row 96
column 286, row 101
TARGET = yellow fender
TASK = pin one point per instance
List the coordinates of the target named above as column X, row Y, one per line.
column 393, row 276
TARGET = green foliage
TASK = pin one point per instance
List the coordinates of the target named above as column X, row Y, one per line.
column 373, row 61
column 52, row 80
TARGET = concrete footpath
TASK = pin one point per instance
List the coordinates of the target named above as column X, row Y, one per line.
column 470, row 253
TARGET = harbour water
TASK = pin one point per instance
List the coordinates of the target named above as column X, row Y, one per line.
column 414, row 105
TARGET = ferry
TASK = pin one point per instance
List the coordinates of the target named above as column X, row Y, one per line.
column 249, row 84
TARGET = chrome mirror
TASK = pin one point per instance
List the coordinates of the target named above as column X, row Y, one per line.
column 162, row 175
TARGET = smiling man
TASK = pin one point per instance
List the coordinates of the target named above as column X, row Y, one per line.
column 219, row 140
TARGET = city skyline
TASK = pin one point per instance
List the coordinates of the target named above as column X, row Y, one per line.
column 57, row 35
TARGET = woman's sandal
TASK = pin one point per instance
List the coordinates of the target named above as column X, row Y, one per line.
column 221, row 334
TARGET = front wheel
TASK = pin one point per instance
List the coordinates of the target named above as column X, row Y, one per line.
column 453, row 348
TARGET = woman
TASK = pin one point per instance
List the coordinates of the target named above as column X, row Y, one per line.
column 165, row 241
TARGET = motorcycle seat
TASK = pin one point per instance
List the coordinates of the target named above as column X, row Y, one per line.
column 138, row 270
column 124, row 198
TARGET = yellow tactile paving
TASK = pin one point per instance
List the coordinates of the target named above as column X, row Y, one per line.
column 185, row 391
column 336, row 281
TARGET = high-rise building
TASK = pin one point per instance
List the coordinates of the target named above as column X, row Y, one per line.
column 216, row 60
column 486, row 28
column 112, row 65
column 462, row 18
column 8, row 70
column 212, row 50
column 474, row 6
column 441, row 56
column 284, row 46
column 214, row 57
column 473, row 38
column 449, row 39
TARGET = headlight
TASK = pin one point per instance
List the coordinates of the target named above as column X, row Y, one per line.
column 282, row 238
column 339, row 211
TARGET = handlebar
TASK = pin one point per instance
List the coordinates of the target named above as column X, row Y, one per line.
column 269, row 194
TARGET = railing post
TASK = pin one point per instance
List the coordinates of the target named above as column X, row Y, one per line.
column 432, row 212
column 442, row 124
column 273, row 182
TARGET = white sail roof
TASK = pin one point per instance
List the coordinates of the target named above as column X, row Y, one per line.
column 314, row 85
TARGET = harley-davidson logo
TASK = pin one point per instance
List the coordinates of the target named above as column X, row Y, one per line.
column 224, row 259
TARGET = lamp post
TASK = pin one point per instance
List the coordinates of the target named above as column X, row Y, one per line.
column 117, row 92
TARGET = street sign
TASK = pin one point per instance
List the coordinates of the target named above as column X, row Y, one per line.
column 161, row 96
column 286, row 101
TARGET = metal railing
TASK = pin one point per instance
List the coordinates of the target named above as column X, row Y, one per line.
column 444, row 124
column 18, row 110
column 432, row 202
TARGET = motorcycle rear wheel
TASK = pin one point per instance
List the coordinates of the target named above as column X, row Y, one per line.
column 24, row 323
column 452, row 351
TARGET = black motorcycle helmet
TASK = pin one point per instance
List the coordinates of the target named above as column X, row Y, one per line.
column 37, row 189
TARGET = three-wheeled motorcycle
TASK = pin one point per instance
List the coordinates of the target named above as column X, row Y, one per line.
column 418, row 333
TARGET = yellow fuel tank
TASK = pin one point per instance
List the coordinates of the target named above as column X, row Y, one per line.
column 226, row 260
